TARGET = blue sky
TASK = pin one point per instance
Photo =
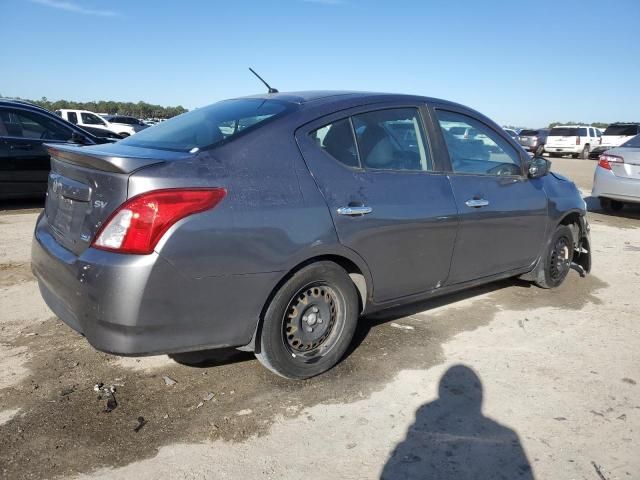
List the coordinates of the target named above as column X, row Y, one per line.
column 521, row 63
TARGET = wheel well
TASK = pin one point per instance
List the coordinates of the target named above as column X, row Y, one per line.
column 572, row 220
column 355, row 273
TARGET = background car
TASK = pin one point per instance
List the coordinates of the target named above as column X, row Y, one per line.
column 615, row 135
column 24, row 161
column 106, row 135
column 512, row 133
column 126, row 124
column 575, row 140
column 617, row 177
column 271, row 223
column 533, row 140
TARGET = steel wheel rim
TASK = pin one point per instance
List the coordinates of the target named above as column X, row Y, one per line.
column 312, row 322
column 559, row 261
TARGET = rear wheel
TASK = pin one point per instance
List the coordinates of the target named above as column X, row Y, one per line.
column 310, row 322
column 585, row 152
column 555, row 264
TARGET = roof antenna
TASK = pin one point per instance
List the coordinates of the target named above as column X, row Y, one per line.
column 271, row 90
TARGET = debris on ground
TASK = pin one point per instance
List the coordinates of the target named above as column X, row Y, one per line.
column 108, row 394
column 200, row 404
column 402, row 327
column 169, row 380
column 598, row 470
column 630, row 381
column 67, row 391
column 246, row 411
column 208, row 397
column 141, row 423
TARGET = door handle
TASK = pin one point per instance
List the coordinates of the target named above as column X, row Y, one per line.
column 477, row 202
column 27, row 146
column 351, row 211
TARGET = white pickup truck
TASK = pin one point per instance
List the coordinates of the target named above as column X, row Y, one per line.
column 85, row 118
column 615, row 135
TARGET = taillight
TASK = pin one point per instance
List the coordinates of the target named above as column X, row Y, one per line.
column 605, row 161
column 138, row 224
column 578, row 140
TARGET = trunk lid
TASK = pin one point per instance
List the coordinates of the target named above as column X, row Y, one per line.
column 86, row 184
column 631, row 166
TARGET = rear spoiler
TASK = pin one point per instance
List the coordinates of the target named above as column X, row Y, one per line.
column 118, row 160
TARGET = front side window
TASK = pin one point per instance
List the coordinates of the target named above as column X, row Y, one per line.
column 25, row 124
column 337, row 140
column 392, row 140
column 474, row 148
column 91, row 119
column 209, row 126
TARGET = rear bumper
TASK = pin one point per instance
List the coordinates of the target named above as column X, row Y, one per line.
column 141, row 304
column 574, row 149
column 606, row 184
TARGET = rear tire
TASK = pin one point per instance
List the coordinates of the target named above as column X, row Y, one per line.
column 555, row 263
column 310, row 322
column 585, row 153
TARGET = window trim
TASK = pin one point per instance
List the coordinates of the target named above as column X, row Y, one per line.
column 436, row 124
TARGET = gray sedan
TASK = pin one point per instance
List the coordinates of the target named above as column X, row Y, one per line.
column 274, row 223
column 617, row 177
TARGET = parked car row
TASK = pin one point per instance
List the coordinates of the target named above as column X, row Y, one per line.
column 119, row 124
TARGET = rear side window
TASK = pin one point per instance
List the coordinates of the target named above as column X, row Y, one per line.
column 72, row 117
column 563, row 132
column 392, row 140
column 337, row 140
column 26, row 124
column 474, row 148
column 622, row 130
column 209, row 126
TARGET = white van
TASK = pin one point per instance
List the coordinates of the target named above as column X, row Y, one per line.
column 574, row 140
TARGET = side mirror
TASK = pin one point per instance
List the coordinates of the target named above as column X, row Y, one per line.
column 538, row 167
column 78, row 138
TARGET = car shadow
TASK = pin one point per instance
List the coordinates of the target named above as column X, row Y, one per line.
column 630, row 210
column 212, row 358
column 371, row 321
column 451, row 438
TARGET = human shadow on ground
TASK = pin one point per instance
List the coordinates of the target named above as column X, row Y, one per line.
column 452, row 439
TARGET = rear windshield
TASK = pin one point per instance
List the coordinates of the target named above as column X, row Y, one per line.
column 563, row 132
column 626, row 130
column 528, row 133
column 632, row 143
column 208, row 126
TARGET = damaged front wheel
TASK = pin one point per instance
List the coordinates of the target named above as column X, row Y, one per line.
column 555, row 263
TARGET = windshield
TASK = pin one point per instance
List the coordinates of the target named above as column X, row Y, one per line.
column 633, row 143
column 563, row 132
column 208, row 126
column 623, row 130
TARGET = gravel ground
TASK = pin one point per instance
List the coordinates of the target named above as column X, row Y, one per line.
column 535, row 383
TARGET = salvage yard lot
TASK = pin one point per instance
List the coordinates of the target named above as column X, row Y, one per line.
column 544, row 380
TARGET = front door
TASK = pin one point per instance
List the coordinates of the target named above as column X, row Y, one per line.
column 503, row 213
column 390, row 202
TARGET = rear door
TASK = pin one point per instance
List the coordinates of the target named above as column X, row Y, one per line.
column 389, row 200
column 503, row 214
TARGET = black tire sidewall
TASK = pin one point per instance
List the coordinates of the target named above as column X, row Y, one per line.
column 274, row 354
column 544, row 278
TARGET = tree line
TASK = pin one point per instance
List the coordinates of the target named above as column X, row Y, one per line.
column 138, row 110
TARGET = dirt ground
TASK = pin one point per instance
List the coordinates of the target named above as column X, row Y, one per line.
column 535, row 383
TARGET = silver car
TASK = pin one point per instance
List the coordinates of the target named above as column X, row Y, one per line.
column 617, row 177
